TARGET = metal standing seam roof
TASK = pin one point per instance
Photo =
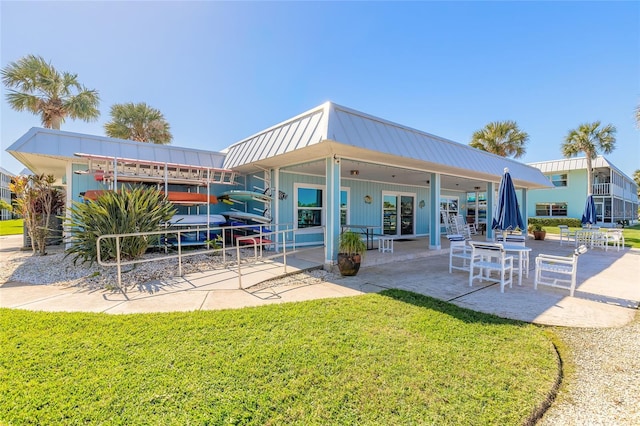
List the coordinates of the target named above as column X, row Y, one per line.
column 331, row 122
column 576, row 163
column 61, row 144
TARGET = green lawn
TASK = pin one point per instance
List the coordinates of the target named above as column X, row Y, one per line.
column 389, row 358
column 631, row 234
column 11, row 227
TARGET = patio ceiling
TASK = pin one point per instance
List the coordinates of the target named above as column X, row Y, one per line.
column 382, row 173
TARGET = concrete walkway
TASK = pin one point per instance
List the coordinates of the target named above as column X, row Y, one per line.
column 607, row 295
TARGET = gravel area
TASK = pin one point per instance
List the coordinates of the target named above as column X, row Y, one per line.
column 603, row 388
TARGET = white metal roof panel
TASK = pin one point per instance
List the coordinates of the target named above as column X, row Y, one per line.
column 61, row 144
column 331, row 122
column 278, row 139
column 568, row 164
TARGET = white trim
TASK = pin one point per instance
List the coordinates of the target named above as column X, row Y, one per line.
column 397, row 194
column 323, row 210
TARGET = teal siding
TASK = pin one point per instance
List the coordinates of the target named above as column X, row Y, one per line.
column 574, row 194
column 359, row 211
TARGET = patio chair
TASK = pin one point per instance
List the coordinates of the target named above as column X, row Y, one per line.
column 517, row 240
column 565, row 233
column 583, row 237
column 459, row 253
column 487, row 258
column 558, row 271
column 616, row 237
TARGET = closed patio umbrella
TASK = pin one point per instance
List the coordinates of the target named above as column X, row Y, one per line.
column 589, row 216
column 507, row 215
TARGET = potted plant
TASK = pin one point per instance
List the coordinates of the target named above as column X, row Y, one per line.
column 351, row 248
column 538, row 232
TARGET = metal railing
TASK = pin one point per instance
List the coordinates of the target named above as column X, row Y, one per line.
column 258, row 240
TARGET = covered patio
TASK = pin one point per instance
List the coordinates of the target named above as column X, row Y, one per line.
column 364, row 170
column 604, row 296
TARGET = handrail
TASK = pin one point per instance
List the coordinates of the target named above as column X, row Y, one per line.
column 119, row 262
column 258, row 240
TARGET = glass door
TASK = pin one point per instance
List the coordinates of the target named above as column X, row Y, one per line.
column 398, row 211
column 406, row 215
column 389, row 215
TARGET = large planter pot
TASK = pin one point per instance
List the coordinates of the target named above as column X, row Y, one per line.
column 349, row 264
column 539, row 235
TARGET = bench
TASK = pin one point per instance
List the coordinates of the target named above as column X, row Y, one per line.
column 558, row 271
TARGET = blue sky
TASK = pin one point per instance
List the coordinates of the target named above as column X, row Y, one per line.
column 223, row 71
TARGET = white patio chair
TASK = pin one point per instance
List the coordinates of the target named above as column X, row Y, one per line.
column 565, row 233
column 517, row 240
column 459, row 253
column 616, row 237
column 583, row 237
column 487, row 258
column 558, row 271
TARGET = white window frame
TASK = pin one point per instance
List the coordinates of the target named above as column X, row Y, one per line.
column 448, row 198
column 549, row 211
column 415, row 206
column 323, row 210
column 550, row 177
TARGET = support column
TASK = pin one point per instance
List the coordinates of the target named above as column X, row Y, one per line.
column 332, row 209
column 275, row 205
column 490, row 196
column 70, row 190
column 434, row 212
column 525, row 215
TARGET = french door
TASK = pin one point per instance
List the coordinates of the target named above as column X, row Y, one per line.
column 398, row 214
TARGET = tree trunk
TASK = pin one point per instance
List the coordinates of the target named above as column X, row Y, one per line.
column 589, row 174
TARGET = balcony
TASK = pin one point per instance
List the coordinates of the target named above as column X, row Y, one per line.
column 601, row 189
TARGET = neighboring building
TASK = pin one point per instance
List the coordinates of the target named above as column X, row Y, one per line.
column 615, row 194
column 325, row 168
column 5, row 193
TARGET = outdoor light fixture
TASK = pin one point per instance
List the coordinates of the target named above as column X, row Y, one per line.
column 355, row 172
column 476, row 188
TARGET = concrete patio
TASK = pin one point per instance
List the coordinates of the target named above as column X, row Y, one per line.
column 607, row 292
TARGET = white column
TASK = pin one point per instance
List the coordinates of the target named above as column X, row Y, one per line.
column 332, row 209
column 275, row 204
column 434, row 212
column 490, row 199
column 525, row 216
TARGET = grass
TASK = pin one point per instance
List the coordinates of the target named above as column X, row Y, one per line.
column 631, row 234
column 389, row 358
column 11, row 227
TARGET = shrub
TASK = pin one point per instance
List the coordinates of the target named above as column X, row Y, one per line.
column 569, row 221
column 37, row 201
column 124, row 212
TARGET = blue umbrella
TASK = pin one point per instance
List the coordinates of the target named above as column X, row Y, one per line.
column 589, row 216
column 507, row 215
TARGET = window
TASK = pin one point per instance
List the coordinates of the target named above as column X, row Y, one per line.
column 309, row 211
column 551, row 209
column 344, row 206
column 558, row 180
column 449, row 206
column 309, row 206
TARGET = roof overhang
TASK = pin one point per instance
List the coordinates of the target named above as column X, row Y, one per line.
column 50, row 151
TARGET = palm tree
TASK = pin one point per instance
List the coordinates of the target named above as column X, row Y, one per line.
column 36, row 86
column 138, row 122
column 502, row 138
column 588, row 138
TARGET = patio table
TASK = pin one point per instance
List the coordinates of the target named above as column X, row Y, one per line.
column 521, row 251
column 367, row 230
